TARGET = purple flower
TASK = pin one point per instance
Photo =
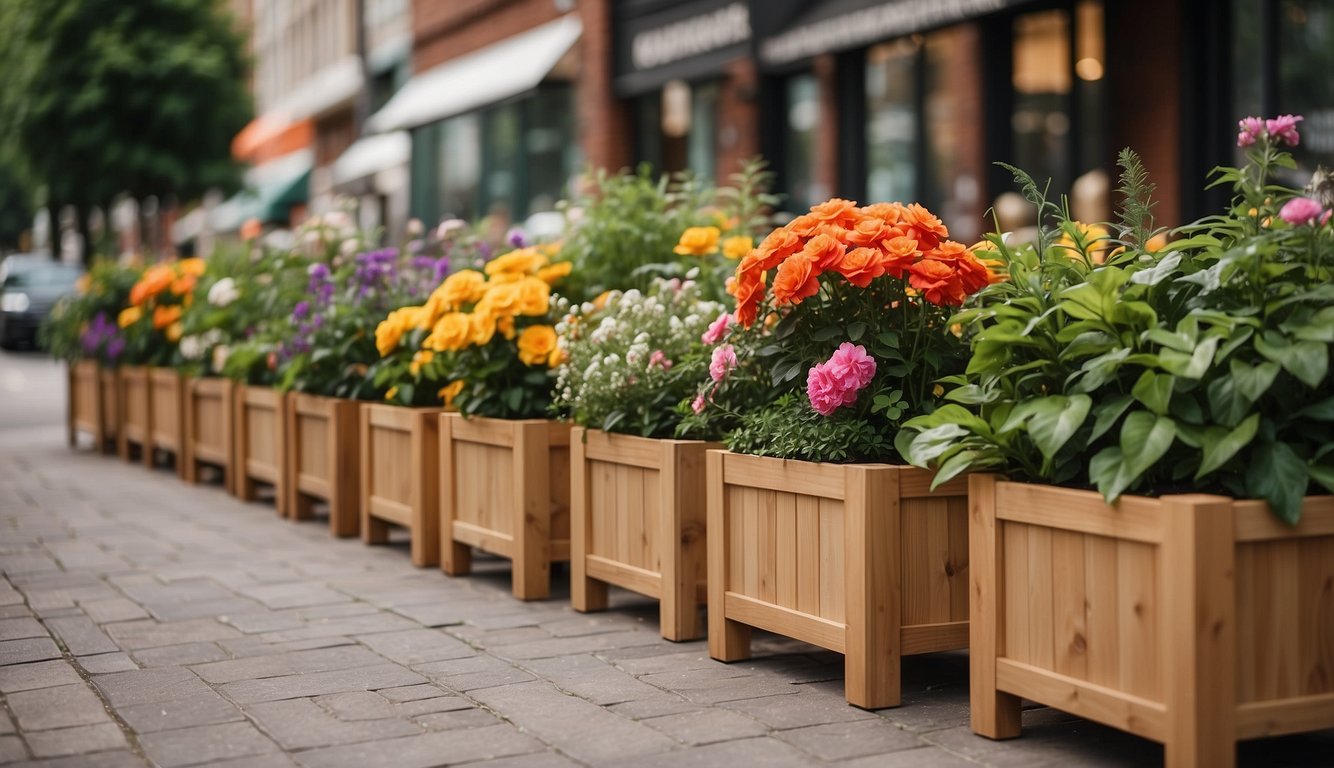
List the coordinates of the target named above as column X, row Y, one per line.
column 516, row 237
column 115, row 348
column 301, row 311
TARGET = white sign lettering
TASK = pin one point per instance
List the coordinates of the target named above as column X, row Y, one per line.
column 691, row 37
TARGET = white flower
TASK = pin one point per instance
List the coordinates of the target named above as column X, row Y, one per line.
column 449, row 226
column 191, row 347
column 223, row 292
column 414, row 228
column 349, row 248
column 692, row 273
column 220, row 354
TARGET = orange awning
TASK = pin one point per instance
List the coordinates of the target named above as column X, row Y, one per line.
column 271, row 135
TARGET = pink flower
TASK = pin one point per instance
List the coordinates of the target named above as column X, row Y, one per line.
column 716, row 329
column 659, row 359
column 1251, row 130
column 1284, row 128
column 1325, row 219
column 724, row 360
column 698, row 405
column 1300, row 210
column 835, row 383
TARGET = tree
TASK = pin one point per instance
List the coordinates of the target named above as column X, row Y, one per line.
column 103, row 97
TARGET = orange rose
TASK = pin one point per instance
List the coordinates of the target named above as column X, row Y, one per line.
column 165, row 316
column 798, row 278
column 183, row 284
column 924, row 226
column 155, row 280
column 824, row 251
column 748, row 295
column 804, row 225
column 972, row 273
column 862, row 265
column 900, row 253
column 869, row 232
column 890, row 213
column 837, row 211
column 780, row 244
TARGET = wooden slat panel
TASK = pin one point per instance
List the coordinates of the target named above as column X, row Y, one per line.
column 808, row 554
column 916, row 564
column 651, row 499
column 558, row 478
column 1040, row 619
column 1133, row 517
column 390, row 474
column 930, row 638
column 313, row 485
column 823, row 480
column 1101, row 617
column 1276, row 718
column 735, row 522
column 617, row 449
column 832, row 580
column 1254, row 520
column 484, row 539
column 392, row 510
column 261, row 470
column 1135, row 714
column 1270, row 631
column 801, row 626
column 1014, row 546
column 311, row 443
column 958, row 562
column 750, row 531
column 484, row 493
column 391, row 417
column 1315, row 610
column 1139, row 618
column 627, row 576
column 766, row 544
column 602, row 497
column 1069, row 604
column 496, row 432
column 786, row 554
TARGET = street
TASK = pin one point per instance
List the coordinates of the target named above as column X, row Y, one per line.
column 147, row 622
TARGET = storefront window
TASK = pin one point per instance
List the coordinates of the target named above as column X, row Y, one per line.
column 702, row 139
column 891, row 116
column 460, row 155
column 1040, row 118
column 799, row 151
column 553, row 156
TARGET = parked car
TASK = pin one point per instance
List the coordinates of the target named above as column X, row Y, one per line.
column 30, row 285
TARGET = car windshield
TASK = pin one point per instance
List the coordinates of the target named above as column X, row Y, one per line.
column 41, row 276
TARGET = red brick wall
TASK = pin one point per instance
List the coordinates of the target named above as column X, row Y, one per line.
column 604, row 122
column 738, row 118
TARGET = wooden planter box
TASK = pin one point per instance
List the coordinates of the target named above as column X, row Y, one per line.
column 166, row 415
column 1195, row 621
column 399, row 485
column 260, row 441
column 862, row 559
column 133, row 403
column 322, row 454
column 637, row 516
column 505, row 489
column 92, row 405
column 209, row 411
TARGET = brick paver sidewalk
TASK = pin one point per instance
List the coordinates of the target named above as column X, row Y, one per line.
column 146, row 621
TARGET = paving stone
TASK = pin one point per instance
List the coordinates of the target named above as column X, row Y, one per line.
column 320, row 683
column 802, row 709
column 208, row 743
column 148, row 686
column 183, row 655
column 432, row 706
column 921, row 757
column 660, row 706
column 219, row 608
column 16, row 629
column 765, row 751
column 155, row 592
column 410, row 692
column 12, row 750
column 133, row 635
column 41, row 674
column 76, row 741
column 843, row 741
column 425, row 751
column 245, row 647
column 14, row 610
column 566, row 646
column 28, row 649
column 473, row 673
column 115, row 609
column 416, row 646
column 459, row 718
column 706, row 726
column 718, row 684
column 577, row 728
column 358, row 705
column 206, row 708
column 301, row 724
column 273, row 760
column 6, row 724
column 59, row 707
column 294, row 595
column 319, row 660
column 591, row 678
column 534, row 760
column 106, row 662
column 81, row 636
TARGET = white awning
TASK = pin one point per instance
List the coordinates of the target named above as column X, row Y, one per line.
column 370, row 155
column 495, row 73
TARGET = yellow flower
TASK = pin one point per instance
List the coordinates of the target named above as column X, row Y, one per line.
column 506, row 327
column 451, row 333
column 536, row 343
column 81, row 285
column 450, row 391
column 430, row 312
column 419, row 359
column 390, row 330
column 174, row 332
column 483, row 328
column 938, row 390
column 129, row 316
column 555, row 272
column 737, row 246
column 392, row 393
column 601, row 301
column 460, row 288
column 502, row 278
column 500, row 300
column 698, row 241
column 534, row 297
column 192, row 266
column 1156, row 243
column 524, row 261
column 1097, row 240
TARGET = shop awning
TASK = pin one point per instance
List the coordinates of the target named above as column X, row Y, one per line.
column 271, row 190
column 840, row 25
column 370, row 155
column 687, row 40
column 495, row 73
column 272, row 134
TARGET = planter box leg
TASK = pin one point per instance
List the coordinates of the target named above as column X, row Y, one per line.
column 345, row 494
column 425, row 491
column 532, row 541
column 373, row 530
column 872, row 575
column 681, row 537
column 585, row 594
column 994, row 714
column 455, row 558
column 728, row 640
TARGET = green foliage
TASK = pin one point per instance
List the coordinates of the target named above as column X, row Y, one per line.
column 71, row 332
column 789, row 429
column 1203, row 366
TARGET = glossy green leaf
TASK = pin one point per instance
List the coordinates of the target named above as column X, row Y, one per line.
column 1154, row 390
column 1220, row 445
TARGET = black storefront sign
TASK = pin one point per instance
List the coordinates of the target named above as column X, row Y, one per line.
column 659, row 41
column 841, row 25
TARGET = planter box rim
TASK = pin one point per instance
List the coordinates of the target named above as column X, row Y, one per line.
column 831, row 464
column 1317, row 498
column 660, row 440
column 467, row 417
